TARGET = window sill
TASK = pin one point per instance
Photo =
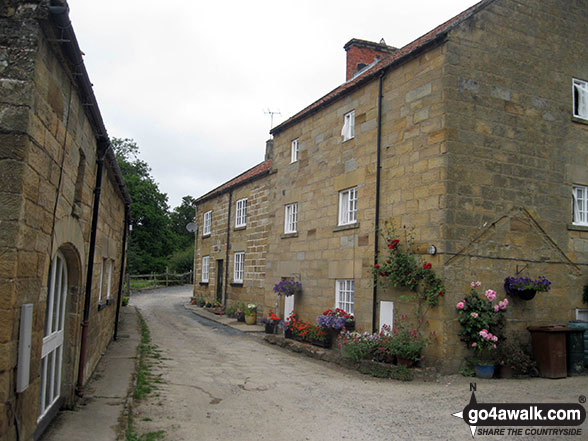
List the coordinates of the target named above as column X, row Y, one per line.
column 236, row 283
column 239, row 228
column 204, row 283
column 579, row 120
column 575, row 227
column 289, row 235
column 346, row 227
column 104, row 304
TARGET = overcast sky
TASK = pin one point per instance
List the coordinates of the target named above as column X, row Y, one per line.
column 189, row 80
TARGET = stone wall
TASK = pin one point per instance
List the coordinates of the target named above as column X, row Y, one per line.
column 513, row 153
column 48, row 168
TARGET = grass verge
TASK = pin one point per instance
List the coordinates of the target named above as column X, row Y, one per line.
column 145, row 383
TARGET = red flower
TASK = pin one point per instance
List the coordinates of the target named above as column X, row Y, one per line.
column 377, row 266
column 392, row 245
column 427, row 266
column 441, row 293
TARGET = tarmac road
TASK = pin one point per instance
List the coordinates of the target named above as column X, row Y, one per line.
column 220, row 384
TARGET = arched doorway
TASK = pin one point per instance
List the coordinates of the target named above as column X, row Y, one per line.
column 52, row 348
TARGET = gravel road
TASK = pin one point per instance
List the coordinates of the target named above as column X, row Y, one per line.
column 219, row 384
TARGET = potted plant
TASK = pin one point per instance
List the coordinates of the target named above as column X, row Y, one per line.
column 406, row 343
column 525, row 287
column 288, row 288
column 482, row 322
column 250, row 314
column 200, row 302
column 271, row 322
column 513, row 360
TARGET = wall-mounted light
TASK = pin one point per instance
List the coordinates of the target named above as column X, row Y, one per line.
column 432, row 250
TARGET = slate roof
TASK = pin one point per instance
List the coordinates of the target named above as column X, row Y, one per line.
column 253, row 173
column 400, row 55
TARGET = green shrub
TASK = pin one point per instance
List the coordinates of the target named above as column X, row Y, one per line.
column 182, row 261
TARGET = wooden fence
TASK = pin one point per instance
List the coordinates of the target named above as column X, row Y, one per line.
column 141, row 281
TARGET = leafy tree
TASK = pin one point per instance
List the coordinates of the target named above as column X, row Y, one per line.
column 181, row 216
column 152, row 239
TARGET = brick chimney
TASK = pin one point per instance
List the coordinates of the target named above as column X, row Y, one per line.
column 361, row 53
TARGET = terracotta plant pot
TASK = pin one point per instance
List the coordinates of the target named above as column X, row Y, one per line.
column 404, row 361
column 251, row 319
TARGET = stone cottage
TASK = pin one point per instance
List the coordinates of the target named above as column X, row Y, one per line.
column 231, row 244
column 63, row 220
column 475, row 137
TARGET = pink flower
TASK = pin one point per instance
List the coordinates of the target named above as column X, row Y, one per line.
column 490, row 294
column 494, row 338
column 484, row 333
column 503, row 304
column 460, row 305
column 473, row 284
column 474, row 314
column 493, row 346
column 496, row 308
column 478, row 283
column 474, row 344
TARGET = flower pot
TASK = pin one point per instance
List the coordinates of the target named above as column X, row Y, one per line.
column 270, row 328
column 526, row 294
column 251, row 319
column 404, row 361
column 484, row 370
column 322, row 343
column 288, row 333
column 505, row 371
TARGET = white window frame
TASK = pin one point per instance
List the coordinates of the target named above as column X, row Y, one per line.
column 348, row 130
column 294, row 151
column 290, row 218
column 239, row 267
column 345, row 295
column 580, row 98
column 241, row 213
column 582, row 314
column 348, row 206
column 207, row 223
column 205, row 268
column 102, row 271
column 580, row 205
column 109, row 280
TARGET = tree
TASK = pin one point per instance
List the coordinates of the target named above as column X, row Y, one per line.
column 151, row 240
column 181, row 216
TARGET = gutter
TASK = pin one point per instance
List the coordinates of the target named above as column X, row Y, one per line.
column 228, row 245
column 378, row 179
column 91, row 252
column 71, row 49
column 122, row 270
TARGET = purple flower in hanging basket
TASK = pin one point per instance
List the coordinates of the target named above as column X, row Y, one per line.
column 517, row 284
column 287, row 288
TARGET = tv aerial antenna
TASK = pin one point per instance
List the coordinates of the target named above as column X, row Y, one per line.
column 271, row 113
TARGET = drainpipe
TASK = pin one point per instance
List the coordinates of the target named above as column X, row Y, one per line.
column 228, row 244
column 122, row 269
column 102, row 149
column 377, row 223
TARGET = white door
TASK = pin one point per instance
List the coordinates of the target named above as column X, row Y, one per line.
column 288, row 306
column 386, row 314
column 52, row 350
